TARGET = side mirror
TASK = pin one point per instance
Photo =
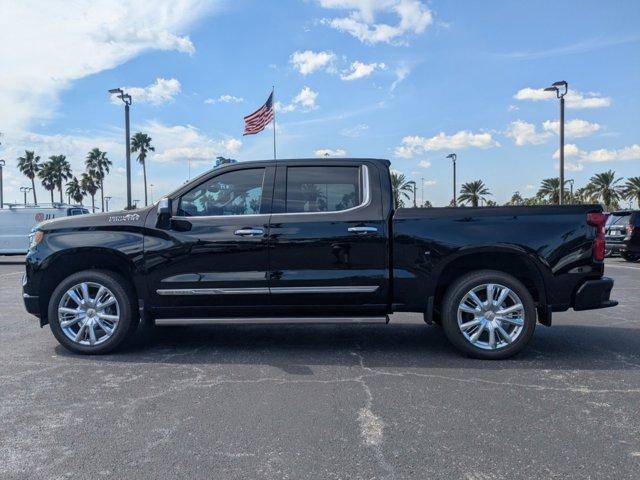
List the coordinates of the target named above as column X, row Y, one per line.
column 164, row 207
column 164, row 214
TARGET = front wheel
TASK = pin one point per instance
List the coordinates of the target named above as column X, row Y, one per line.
column 488, row 314
column 630, row 257
column 92, row 312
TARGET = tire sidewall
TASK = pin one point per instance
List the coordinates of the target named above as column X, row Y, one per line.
column 456, row 292
column 125, row 303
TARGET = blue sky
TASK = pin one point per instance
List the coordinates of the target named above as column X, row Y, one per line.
column 407, row 80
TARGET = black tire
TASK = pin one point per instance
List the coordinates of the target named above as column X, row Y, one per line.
column 121, row 290
column 630, row 257
column 455, row 294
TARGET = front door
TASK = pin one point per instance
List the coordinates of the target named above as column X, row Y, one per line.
column 328, row 240
column 213, row 259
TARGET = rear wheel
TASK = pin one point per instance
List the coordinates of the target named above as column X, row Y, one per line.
column 92, row 312
column 488, row 314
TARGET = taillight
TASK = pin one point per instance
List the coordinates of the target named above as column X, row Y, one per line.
column 629, row 229
column 598, row 220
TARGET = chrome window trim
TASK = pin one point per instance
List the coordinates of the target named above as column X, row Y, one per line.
column 366, row 196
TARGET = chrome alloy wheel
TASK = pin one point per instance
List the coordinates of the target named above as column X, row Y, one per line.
column 88, row 313
column 491, row 316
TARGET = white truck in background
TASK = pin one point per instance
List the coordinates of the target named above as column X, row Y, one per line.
column 17, row 221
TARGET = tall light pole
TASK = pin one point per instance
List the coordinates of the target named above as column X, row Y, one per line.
column 2, row 164
column 126, row 98
column 454, row 157
column 561, row 88
column 106, row 199
column 570, row 181
column 25, row 190
column 151, row 191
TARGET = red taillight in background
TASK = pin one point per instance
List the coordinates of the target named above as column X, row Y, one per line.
column 598, row 220
column 629, row 229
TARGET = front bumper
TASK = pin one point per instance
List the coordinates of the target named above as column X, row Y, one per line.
column 594, row 294
column 31, row 302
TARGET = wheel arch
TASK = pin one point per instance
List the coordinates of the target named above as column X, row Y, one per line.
column 59, row 266
column 508, row 259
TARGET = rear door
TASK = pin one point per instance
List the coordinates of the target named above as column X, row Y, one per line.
column 328, row 240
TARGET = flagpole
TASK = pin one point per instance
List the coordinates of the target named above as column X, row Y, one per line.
column 273, row 105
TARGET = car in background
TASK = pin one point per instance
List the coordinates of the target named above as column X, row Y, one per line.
column 615, row 231
column 17, row 221
column 630, row 249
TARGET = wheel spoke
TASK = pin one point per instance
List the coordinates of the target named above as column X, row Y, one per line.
column 476, row 335
column 466, row 308
column 101, row 291
column 71, row 321
column 74, row 296
column 466, row 326
column 70, row 311
column 490, row 291
column 511, row 309
column 81, row 333
column 512, row 320
column 472, row 295
column 109, row 301
column 92, row 334
column 492, row 337
column 503, row 333
column 502, row 296
column 107, row 329
column 111, row 318
column 84, row 288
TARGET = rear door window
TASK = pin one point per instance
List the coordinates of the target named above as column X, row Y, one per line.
column 322, row 189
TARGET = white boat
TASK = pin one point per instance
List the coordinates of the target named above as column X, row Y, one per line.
column 17, row 221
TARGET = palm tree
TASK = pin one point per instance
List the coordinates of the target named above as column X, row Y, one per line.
column 48, row 177
column 473, row 192
column 141, row 142
column 29, row 166
column 550, row 189
column 61, row 170
column 98, row 166
column 516, row 199
column 631, row 190
column 604, row 186
column 74, row 190
column 401, row 188
column 89, row 184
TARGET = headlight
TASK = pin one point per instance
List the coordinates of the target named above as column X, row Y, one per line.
column 35, row 238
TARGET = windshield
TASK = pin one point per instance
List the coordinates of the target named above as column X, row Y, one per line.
column 618, row 219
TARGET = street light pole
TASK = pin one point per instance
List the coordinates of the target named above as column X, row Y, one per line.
column 560, row 88
column 570, row 181
column 2, row 164
column 25, row 190
column 454, row 157
column 106, row 199
column 126, row 98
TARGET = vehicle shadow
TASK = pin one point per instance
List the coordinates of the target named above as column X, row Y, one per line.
column 297, row 349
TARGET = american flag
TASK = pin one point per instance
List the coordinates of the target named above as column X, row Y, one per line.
column 256, row 121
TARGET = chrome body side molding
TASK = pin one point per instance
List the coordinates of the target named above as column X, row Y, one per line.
column 382, row 319
column 264, row 291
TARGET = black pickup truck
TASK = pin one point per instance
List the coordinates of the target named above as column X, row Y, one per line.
column 314, row 241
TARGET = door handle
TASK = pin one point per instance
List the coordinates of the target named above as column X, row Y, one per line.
column 249, row 232
column 362, row 230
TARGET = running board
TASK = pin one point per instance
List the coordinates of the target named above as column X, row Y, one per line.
column 383, row 319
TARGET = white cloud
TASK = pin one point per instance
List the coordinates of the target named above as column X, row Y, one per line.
column 414, row 18
column 429, row 183
column 308, row 61
column 361, row 70
column 424, row 163
column 524, row 133
column 630, row 153
column 401, row 72
column 573, row 99
column 327, row 152
column 186, row 142
column 573, row 128
column 161, row 91
column 226, row 98
column 356, row 131
column 513, row 108
column 50, row 48
column 304, row 100
column 463, row 139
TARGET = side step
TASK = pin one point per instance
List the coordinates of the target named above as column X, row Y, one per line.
column 382, row 319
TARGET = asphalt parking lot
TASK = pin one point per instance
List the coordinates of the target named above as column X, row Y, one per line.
column 326, row 402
